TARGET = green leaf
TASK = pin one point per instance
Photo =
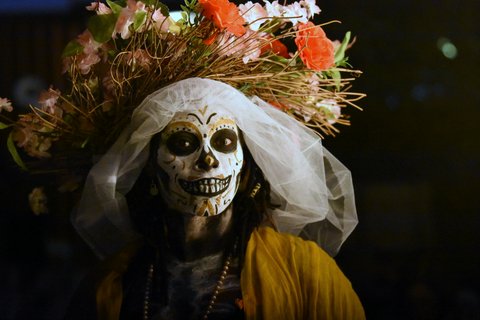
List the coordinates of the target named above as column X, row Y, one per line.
column 4, row 126
column 335, row 75
column 116, row 8
column 13, row 151
column 72, row 48
column 163, row 9
column 139, row 20
column 102, row 26
column 340, row 53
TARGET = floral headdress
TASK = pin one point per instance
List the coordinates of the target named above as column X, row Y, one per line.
column 132, row 48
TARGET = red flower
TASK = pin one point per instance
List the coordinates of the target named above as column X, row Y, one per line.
column 316, row 50
column 277, row 48
column 225, row 15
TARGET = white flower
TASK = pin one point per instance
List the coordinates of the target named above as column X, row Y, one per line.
column 274, row 9
column 312, row 8
column 296, row 13
column 254, row 14
column 330, row 109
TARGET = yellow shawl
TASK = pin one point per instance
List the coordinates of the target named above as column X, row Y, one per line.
column 284, row 277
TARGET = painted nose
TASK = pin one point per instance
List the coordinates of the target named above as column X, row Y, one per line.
column 206, row 161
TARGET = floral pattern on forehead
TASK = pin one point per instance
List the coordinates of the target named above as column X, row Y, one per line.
column 199, row 162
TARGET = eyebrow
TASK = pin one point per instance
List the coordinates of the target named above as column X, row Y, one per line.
column 194, row 115
column 210, row 117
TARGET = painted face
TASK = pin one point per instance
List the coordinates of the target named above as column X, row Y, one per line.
column 201, row 158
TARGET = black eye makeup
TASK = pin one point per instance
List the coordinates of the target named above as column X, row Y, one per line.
column 224, row 140
column 182, row 143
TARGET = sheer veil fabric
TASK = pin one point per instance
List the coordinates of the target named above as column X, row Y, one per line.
column 314, row 189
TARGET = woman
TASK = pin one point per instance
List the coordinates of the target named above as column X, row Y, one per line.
column 227, row 169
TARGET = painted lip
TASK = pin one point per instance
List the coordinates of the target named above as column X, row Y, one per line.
column 208, row 187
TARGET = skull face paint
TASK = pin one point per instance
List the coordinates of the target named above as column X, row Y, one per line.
column 201, row 156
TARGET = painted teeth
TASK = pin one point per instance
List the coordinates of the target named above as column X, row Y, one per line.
column 206, row 187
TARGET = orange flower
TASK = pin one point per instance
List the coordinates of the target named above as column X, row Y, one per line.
column 225, row 15
column 316, row 50
column 278, row 105
column 277, row 48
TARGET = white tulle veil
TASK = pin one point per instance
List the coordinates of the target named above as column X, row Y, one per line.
column 313, row 188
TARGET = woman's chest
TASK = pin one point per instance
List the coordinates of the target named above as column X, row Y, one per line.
column 207, row 288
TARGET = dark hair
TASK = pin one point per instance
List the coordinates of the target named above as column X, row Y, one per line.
column 249, row 205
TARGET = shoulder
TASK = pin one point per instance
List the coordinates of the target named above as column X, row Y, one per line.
column 297, row 254
column 288, row 245
column 312, row 276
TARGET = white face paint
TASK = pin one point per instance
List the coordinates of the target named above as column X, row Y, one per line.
column 200, row 152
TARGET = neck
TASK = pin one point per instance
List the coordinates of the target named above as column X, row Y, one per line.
column 191, row 237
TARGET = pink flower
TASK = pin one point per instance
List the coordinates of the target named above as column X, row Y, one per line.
column 48, row 100
column 140, row 58
column 88, row 43
column 313, row 81
column 27, row 134
column 38, row 201
column 89, row 57
column 246, row 45
column 127, row 17
column 162, row 23
column 34, row 145
column 22, row 135
column 6, row 105
column 254, row 14
column 38, row 147
column 99, row 7
column 48, row 103
column 330, row 110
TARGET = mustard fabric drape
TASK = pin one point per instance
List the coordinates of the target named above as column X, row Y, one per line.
column 109, row 291
column 285, row 277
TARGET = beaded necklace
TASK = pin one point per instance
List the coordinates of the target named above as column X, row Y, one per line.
column 213, row 299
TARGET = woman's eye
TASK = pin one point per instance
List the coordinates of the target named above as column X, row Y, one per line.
column 182, row 143
column 227, row 142
column 224, row 140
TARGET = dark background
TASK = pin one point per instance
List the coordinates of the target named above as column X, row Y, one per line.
column 414, row 152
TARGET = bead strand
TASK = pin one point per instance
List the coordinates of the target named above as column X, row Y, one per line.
column 219, row 285
column 148, row 289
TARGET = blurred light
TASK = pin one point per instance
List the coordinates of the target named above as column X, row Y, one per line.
column 29, row 6
column 392, row 101
column 448, row 49
column 420, row 92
